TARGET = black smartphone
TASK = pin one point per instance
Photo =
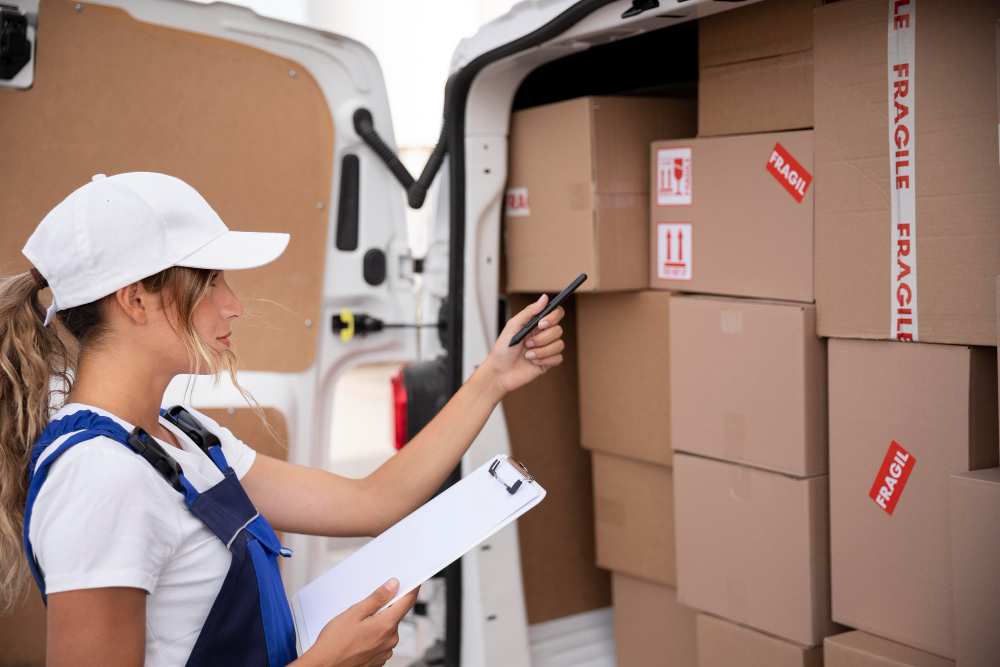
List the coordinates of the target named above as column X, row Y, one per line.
column 552, row 305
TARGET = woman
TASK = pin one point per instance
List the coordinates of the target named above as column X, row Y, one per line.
column 165, row 557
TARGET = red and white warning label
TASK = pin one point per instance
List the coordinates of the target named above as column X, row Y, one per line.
column 792, row 176
column 892, row 476
column 515, row 203
column 673, row 176
column 673, row 251
column 902, row 186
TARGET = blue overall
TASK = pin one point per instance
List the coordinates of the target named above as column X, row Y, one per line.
column 250, row 623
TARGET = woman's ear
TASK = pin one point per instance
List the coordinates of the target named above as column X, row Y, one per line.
column 134, row 301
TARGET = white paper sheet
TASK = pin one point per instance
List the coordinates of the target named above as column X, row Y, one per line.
column 418, row 547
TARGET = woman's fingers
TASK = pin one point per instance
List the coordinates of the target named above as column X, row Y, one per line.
column 546, row 351
column 548, row 362
column 552, row 318
column 544, row 337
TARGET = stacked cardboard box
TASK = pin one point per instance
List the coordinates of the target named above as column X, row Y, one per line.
column 860, row 649
column 725, row 644
column 650, row 625
column 975, row 552
column 578, row 201
column 909, row 422
column 903, row 419
column 556, row 539
column 625, row 423
column 578, row 190
column 756, row 68
column 732, row 221
column 748, row 400
column 883, row 230
column 721, row 483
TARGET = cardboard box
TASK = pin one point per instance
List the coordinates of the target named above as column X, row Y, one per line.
column 756, row 31
column 951, row 249
column 753, row 547
column 578, row 190
column 557, row 540
column 733, row 216
column 860, row 649
column 975, row 555
column 767, row 95
column 725, row 644
column 756, row 68
column 748, row 383
column 634, row 518
column 625, row 374
column 891, row 549
column 650, row 625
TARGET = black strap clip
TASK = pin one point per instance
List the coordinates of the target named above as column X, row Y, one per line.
column 192, row 428
column 148, row 448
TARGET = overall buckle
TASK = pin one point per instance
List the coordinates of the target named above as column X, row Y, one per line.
column 146, row 447
column 192, row 428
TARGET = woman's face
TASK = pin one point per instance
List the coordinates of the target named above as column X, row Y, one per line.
column 214, row 315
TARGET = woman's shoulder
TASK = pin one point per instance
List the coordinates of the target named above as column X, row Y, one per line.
column 102, row 462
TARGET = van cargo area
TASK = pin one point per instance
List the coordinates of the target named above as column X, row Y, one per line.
column 774, row 436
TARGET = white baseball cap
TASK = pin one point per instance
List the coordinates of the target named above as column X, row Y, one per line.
column 116, row 230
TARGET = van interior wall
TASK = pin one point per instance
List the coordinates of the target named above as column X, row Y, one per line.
column 251, row 131
column 557, row 537
column 660, row 63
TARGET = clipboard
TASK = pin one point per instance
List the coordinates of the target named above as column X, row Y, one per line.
column 421, row 545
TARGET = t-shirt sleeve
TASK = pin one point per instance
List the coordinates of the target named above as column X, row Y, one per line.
column 100, row 520
column 239, row 455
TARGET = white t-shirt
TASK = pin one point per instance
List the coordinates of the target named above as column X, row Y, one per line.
column 105, row 517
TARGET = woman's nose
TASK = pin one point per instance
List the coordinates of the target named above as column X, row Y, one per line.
column 234, row 308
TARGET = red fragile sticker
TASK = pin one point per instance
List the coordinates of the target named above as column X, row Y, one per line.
column 789, row 173
column 892, row 476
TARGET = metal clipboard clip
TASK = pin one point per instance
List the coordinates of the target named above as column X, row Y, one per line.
column 512, row 488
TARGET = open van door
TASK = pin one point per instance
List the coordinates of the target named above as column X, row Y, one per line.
column 256, row 114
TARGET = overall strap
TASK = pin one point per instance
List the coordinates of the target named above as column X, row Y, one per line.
column 86, row 425
column 207, row 441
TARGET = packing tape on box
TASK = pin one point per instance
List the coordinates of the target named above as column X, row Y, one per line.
column 902, row 177
column 578, row 196
column 739, row 483
column 734, row 434
column 732, row 321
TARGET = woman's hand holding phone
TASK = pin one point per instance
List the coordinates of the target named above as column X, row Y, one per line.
column 516, row 366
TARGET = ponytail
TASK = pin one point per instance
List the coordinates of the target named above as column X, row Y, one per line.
column 35, row 363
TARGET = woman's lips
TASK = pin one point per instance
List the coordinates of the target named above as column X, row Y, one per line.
column 225, row 339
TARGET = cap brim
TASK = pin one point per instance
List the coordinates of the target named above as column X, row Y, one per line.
column 237, row 250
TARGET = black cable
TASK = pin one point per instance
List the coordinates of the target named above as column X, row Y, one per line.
column 416, row 190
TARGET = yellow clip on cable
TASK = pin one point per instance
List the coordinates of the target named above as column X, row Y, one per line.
column 347, row 333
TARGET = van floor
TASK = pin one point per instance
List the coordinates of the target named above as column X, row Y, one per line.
column 581, row 640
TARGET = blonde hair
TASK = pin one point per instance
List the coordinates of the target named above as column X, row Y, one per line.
column 37, row 367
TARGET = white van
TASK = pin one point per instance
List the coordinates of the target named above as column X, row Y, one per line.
column 287, row 128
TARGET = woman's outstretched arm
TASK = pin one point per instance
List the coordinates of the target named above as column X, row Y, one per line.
column 306, row 500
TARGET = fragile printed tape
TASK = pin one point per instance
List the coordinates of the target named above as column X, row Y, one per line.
column 902, row 149
column 892, row 476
